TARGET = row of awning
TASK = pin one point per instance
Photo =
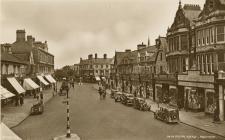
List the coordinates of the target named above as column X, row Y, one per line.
column 28, row 84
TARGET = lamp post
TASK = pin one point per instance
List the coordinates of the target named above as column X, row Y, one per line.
column 68, row 135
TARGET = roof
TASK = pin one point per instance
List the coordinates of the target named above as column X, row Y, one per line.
column 153, row 57
column 11, row 58
column 102, row 60
column 97, row 61
column 119, row 57
column 21, row 46
column 191, row 14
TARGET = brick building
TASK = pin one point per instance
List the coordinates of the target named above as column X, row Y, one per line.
column 35, row 53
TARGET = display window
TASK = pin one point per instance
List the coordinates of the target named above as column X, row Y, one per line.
column 210, row 103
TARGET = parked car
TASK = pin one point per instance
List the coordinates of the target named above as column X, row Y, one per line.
column 127, row 99
column 117, row 96
column 37, row 109
column 167, row 115
column 140, row 104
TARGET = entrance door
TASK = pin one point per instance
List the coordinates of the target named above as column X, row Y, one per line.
column 180, row 98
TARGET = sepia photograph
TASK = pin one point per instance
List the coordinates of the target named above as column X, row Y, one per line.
column 112, row 69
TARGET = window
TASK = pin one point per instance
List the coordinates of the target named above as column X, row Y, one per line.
column 101, row 66
column 212, row 35
column 220, row 33
column 161, row 56
column 184, row 65
column 221, row 57
column 211, row 5
column 184, row 42
column 161, row 69
column 199, row 38
column 207, row 36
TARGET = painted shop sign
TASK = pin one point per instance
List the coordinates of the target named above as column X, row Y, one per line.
column 195, row 79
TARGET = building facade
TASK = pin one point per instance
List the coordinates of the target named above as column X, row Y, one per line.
column 95, row 67
column 35, row 53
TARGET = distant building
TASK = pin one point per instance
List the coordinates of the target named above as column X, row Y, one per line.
column 95, row 67
column 35, row 53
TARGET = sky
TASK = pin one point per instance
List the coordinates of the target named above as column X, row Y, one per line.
column 77, row 28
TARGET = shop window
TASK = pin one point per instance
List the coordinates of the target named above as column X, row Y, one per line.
column 220, row 33
column 210, row 106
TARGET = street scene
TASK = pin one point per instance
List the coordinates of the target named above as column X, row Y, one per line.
column 113, row 70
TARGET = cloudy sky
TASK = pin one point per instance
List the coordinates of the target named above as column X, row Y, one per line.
column 76, row 28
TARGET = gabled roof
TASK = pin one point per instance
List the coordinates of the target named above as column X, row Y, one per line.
column 11, row 58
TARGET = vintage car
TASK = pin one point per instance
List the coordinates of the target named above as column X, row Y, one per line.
column 113, row 91
column 117, row 96
column 37, row 109
column 168, row 115
column 140, row 104
column 127, row 99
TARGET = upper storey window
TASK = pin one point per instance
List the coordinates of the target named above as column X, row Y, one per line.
column 220, row 33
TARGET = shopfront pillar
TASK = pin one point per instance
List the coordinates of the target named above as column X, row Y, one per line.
column 221, row 102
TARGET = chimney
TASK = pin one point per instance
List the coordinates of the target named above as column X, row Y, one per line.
column 30, row 39
column 127, row 50
column 90, row 56
column 96, row 55
column 33, row 39
column 20, row 35
column 105, row 56
column 141, row 46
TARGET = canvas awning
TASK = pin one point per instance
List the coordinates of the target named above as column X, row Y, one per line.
column 42, row 80
column 50, row 78
column 7, row 134
column 5, row 93
column 97, row 78
column 28, row 84
column 103, row 78
column 16, row 85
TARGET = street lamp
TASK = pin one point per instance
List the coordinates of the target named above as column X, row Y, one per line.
column 68, row 135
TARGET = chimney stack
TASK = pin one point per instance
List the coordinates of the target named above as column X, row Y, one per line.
column 20, row 35
column 96, row 55
column 30, row 39
column 105, row 56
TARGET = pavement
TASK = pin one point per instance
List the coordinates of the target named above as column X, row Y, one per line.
column 14, row 115
column 198, row 120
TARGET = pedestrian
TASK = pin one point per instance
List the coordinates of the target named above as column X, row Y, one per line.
column 100, row 91
column 21, row 100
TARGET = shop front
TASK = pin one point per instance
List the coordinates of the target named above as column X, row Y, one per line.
column 199, row 93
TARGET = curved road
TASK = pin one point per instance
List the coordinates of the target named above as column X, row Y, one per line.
column 94, row 119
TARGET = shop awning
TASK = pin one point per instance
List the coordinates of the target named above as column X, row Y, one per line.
column 16, row 85
column 50, row 78
column 7, row 134
column 5, row 93
column 97, row 78
column 28, row 84
column 103, row 78
column 42, row 80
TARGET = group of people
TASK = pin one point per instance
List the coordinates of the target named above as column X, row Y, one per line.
column 19, row 100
